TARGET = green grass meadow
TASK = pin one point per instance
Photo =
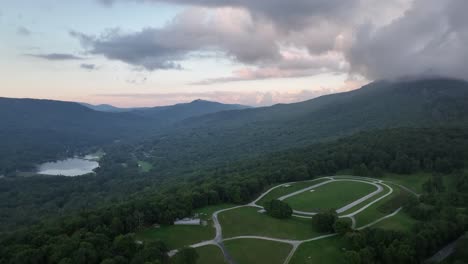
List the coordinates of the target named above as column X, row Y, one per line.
column 332, row 195
column 177, row 236
column 247, row 221
column 210, row 255
column 255, row 251
column 283, row 190
column 327, row 250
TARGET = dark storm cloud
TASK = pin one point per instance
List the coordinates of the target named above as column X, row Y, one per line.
column 55, row 56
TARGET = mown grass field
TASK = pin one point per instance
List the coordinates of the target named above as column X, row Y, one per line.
column 247, row 221
column 327, row 250
column 210, row 255
column 177, row 236
column 255, row 251
column 283, row 190
column 331, row 195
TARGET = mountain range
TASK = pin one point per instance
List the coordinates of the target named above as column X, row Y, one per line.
column 209, row 130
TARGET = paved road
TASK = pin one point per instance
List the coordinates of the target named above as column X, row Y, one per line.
column 362, row 199
column 444, row 252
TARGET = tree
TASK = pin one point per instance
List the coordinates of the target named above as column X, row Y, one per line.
column 352, row 257
column 342, row 226
column 278, row 209
column 361, row 170
column 324, row 221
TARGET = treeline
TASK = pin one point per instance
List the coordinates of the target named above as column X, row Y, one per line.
column 440, row 223
column 177, row 197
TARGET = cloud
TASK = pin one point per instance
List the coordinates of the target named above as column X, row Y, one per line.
column 195, row 30
column 293, row 64
column 287, row 14
column 23, row 31
column 55, row 56
column 89, row 67
column 429, row 39
column 296, row 38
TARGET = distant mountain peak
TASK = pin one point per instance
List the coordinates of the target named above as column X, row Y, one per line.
column 201, row 101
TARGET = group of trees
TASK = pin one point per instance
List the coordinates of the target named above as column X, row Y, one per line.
column 328, row 222
column 440, row 223
column 278, row 209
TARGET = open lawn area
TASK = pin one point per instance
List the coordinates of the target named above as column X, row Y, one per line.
column 255, row 251
column 331, row 195
column 145, row 166
column 210, row 255
column 398, row 222
column 247, row 221
column 287, row 189
column 373, row 213
column 177, row 236
column 327, row 250
column 411, row 181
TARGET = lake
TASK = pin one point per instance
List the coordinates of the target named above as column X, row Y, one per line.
column 69, row 167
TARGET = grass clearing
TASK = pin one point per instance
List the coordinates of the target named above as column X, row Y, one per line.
column 327, row 250
column 247, row 221
column 412, row 181
column 332, row 195
column 177, row 236
column 254, row 251
column 210, row 255
column 399, row 222
column 281, row 191
column 145, row 166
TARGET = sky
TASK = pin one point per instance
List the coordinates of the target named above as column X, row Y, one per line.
column 254, row 52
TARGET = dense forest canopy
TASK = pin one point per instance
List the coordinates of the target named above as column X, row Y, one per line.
column 397, row 150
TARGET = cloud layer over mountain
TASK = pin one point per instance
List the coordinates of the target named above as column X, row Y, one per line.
column 277, row 38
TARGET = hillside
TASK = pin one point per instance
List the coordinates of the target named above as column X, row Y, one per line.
column 107, row 108
column 38, row 130
column 383, row 104
column 174, row 113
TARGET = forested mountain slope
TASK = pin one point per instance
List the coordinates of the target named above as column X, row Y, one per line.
column 173, row 113
column 383, row 104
